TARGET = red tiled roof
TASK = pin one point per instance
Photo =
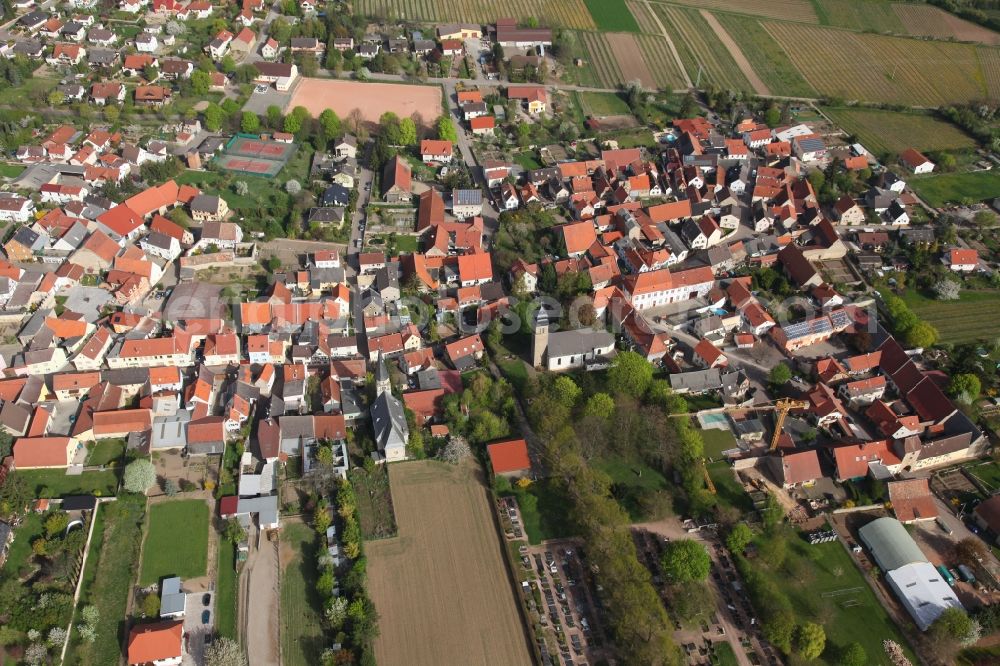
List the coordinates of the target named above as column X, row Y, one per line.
column 912, row 500
column 155, row 642
column 41, row 452
column 509, row 456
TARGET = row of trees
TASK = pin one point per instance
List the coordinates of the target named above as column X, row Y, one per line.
column 910, row 329
column 349, row 614
column 635, row 613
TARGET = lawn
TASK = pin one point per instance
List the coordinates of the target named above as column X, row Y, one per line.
column 302, row 640
column 723, row 655
column 972, row 317
column 825, row 586
column 971, row 186
column 727, row 489
column 544, row 511
column 894, row 132
column 612, row 15
column 20, row 548
column 176, row 541
column 988, row 474
column 603, row 104
column 225, row 590
column 515, row 371
column 11, row 170
column 109, row 577
column 633, row 484
column 56, row 483
column 717, row 441
column 105, row 451
column 527, row 161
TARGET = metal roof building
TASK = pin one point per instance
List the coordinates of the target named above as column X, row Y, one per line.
column 891, row 545
column 923, row 592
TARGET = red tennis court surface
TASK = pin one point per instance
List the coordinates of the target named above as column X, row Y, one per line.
column 255, row 156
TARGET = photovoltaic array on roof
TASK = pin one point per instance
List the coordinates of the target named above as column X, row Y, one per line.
column 808, row 327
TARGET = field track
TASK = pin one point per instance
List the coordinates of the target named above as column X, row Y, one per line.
column 758, row 85
column 441, row 587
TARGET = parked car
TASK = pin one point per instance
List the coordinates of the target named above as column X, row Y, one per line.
column 206, row 615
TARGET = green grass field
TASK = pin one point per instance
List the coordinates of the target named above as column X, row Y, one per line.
column 11, row 170
column 892, row 132
column 544, row 510
column 632, row 484
column 176, row 541
column 105, row 451
column 972, row 317
column 302, row 640
column 824, row 586
column 872, row 15
column 988, row 474
column 603, row 104
column 225, row 590
column 717, row 441
column 612, row 15
column 20, row 549
column 56, row 483
column 767, row 56
column 948, row 188
column 728, row 490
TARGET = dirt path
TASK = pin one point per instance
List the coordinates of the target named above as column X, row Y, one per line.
column 670, row 43
column 260, row 603
column 758, row 85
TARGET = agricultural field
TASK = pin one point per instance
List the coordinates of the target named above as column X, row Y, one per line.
column 600, row 59
column 612, row 15
column 972, row 317
column 767, row 57
column 861, row 15
column 884, row 69
column 558, row 13
column 787, row 10
column 698, row 47
column 989, row 60
column 630, row 60
column 448, row 548
column 176, row 541
column 644, row 16
column 892, row 132
column 946, row 188
column 928, row 21
column 661, row 62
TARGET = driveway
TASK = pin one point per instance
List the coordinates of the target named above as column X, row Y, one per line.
column 195, row 631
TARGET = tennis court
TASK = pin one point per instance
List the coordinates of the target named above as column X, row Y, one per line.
column 255, row 156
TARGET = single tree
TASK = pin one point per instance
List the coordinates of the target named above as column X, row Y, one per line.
column 739, row 538
column 600, row 405
column 446, row 129
column 201, row 82
column 139, row 476
column 810, row 640
column 249, row 122
column 965, row 387
column 780, row 374
column 630, row 374
column 225, row 652
column 854, row 655
column 686, row 560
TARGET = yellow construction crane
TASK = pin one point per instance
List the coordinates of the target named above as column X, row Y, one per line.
column 781, row 407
